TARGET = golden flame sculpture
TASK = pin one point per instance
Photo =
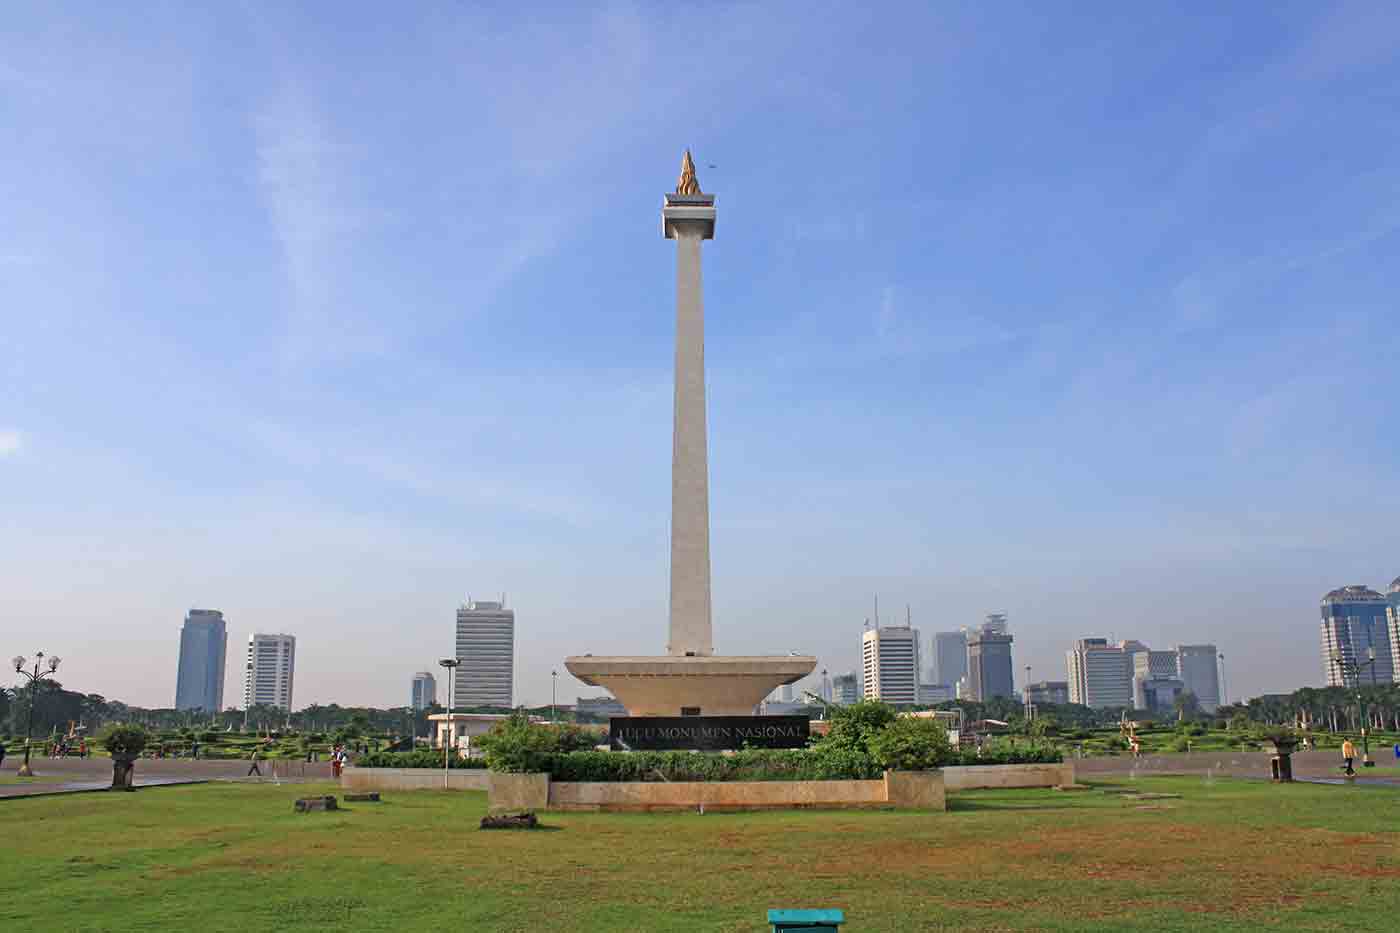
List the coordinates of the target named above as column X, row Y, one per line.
column 687, row 183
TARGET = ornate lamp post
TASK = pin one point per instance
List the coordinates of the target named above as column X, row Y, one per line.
column 1352, row 669
column 451, row 664
column 37, row 675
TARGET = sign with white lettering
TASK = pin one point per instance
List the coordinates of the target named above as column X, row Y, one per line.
column 707, row 733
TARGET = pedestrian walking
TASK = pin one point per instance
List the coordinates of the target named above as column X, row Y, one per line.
column 253, row 763
column 1348, row 756
column 2, row 753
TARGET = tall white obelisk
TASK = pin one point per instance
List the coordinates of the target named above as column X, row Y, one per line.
column 689, row 679
column 688, row 217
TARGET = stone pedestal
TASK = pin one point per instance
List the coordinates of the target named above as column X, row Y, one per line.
column 698, row 686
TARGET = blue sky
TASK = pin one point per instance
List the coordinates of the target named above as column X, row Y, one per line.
column 330, row 319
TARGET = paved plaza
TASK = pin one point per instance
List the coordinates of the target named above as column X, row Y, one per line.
column 72, row 775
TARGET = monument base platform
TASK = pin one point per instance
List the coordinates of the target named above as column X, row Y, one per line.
column 690, row 686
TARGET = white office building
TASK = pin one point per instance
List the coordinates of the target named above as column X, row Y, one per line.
column 424, row 692
column 486, row 648
column 268, row 675
column 1100, row 674
column 890, row 658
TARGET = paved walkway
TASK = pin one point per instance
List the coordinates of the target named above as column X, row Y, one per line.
column 79, row 775
column 1320, row 766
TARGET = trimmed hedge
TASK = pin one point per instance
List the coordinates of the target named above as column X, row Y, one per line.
column 1020, row 755
column 757, row 765
column 419, row 758
column 747, row 765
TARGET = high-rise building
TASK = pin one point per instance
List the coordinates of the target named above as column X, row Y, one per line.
column 424, row 692
column 890, row 657
column 1354, row 627
column 271, row 666
column 199, row 682
column 1392, row 627
column 949, row 657
column 845, row 688
column 1100, row 674
column 1155, row 682
column 989, row 663
column 929, row 694
column 1047, row 692
column 1198, row 669
column 486, row 648
column 995, row 623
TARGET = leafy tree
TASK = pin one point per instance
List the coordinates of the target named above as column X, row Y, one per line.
column 910, row 744
column 1186, row 705
column 517, row 745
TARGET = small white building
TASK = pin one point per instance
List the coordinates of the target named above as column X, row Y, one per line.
column 464, row 727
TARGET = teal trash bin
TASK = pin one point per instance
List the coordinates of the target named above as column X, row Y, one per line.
column 807, row 921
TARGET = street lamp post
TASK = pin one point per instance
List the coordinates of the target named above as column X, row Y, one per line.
column 1352, row 669
column 1030, row 709
column 451, row 665
column 39, row 674
column 553, row 695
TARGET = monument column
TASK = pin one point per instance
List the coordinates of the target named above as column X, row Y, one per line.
column 690, row 679
column 688, row 217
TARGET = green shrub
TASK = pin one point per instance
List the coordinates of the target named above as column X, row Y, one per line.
column 910, row 744
column 811, row 764
column 121, row 739
column 747, row 765
column 1002, row 754
column 419, row 758
column 517, row 745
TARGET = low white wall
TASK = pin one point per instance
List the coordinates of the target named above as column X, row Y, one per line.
column 361, row 779
column 972, row 777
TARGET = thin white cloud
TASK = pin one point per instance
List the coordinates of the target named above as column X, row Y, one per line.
column 10, row 442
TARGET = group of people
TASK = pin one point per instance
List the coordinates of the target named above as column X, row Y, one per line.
column 67, row 748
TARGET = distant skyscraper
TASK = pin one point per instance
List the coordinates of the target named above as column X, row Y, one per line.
column 486, row 647
column 989, row 663
column 890, row 657
column 199, row 682
column 930, row 694
column 1156, row 684
column 1100, row 674
column 949, row 657
column 1047, row 691
column 1353, row 621
column 270, row 669
column 1198, row 669
column 424, row 690
column 995, row 623
column 1392, row 628
column 845, row 688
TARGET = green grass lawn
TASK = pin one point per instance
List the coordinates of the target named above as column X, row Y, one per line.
column 1227, row 855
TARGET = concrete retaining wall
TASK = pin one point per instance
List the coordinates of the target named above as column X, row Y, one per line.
column 517, row 791
column 361, row 779
column 905, row 789
column 972, row 777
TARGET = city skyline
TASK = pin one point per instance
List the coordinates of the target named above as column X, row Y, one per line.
column 348, row 327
